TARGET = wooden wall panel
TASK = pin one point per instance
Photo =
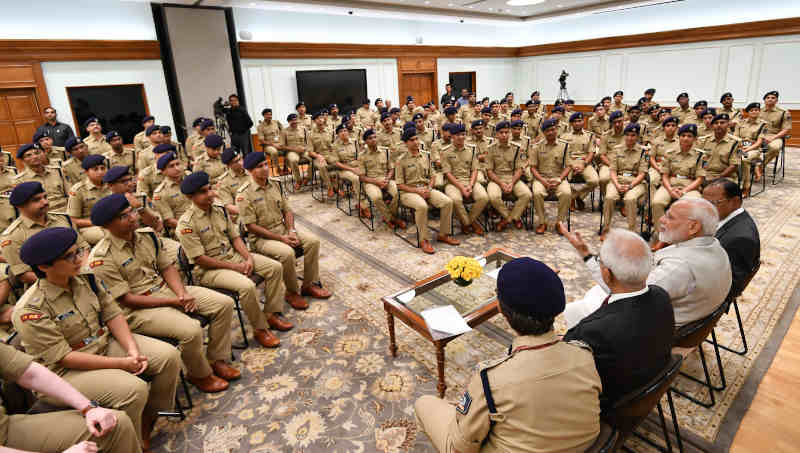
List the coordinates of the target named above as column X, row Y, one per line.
column 26, row 74
column 416, row 64
column 795, row 139
column 77, row 50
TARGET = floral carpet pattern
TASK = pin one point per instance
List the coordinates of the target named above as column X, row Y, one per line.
column 332, row 386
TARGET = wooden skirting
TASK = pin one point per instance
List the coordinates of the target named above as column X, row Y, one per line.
column 77, row 50
column 325, row 50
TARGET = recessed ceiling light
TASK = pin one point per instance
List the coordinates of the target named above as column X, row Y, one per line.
column 427, row 3
column 450, row 4
column 559, row 6
column 524, row 2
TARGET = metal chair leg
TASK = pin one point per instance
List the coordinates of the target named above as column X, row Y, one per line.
column 674, row 417
column 707, row 384
column 238, row 307
column 744, row 349
column 189, row 402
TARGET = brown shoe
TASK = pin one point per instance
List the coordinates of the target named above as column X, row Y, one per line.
column 603, row 234
column 541, row 228
column 225, row 371
column 331, row 192
column 400, row 223
column 209, row 384
column 466, row 229
column 315, row 291
column 558, row 230
column 622, row 211
column 746, row 192
column 296, row 186
column 365, row 213
column 759, row 173
column 477, row 228
column 297, row 302
column 580, row 203
column 278, row 322
column 447, row 239
column 266, row 338
column 148, row 422
column 427, row 247
column 518, row 224
column 305, row 181
column 502, row 225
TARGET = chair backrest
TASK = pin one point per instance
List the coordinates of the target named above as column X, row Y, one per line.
column 694, row 333
column 749, row 278
column 627, row 413
column 605, row 440
column 185, row 266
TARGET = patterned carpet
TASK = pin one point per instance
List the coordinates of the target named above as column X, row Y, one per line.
column 333, row 387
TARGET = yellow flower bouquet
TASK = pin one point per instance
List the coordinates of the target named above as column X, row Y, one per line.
column 464, row 270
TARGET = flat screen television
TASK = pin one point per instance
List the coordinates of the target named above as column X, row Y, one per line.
column 118, row 107
column 346, row 88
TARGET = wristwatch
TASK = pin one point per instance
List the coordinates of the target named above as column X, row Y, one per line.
column 92, row 405
column 588, row 257
column 293, row 230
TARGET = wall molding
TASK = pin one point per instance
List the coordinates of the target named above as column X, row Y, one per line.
column 77, row 50
column 284, row 50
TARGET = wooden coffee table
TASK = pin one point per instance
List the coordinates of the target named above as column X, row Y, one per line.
column 476, row 303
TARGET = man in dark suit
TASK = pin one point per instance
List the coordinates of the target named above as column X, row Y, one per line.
column 631, row 333
column 736, row 232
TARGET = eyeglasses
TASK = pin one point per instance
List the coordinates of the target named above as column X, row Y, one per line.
column 74, row 256
column 127, row 215
column 718, row 202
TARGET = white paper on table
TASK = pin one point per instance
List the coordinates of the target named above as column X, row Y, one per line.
column 576, row 310
column 445, row 321
column 493, row 274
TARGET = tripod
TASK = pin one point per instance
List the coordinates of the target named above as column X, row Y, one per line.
column 562, row 94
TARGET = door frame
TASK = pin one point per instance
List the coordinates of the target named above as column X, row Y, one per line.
column 416, row 65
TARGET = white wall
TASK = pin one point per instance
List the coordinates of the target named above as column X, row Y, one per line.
column 494, row 77
column 746, row 67
column 59, row 75
column 272, row 83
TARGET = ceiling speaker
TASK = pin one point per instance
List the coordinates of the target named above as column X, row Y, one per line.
column 245, row 35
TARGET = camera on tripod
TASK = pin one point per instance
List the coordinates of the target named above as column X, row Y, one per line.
column 221, row 107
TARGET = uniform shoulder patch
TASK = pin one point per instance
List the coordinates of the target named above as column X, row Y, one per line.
column 160, row 187
column 186, row 231
column 464, row 403
column 95, row 263
column 31, row 317
column 5, row 243
column 243, row 187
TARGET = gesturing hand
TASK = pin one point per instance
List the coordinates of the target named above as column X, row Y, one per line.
column 100, row 421
column 575, row 239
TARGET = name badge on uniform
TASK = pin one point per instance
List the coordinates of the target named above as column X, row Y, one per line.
column 127, row 261
column 464, row 403
column 205, row 229
column 65, row 315
column 258, row 199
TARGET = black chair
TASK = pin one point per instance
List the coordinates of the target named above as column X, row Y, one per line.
column 733, row 301
column 363, row 198
column 317, row 190
column 347, row 187
column 693, row 335
column 630, row 411
column 605, row 440
column 782, row 158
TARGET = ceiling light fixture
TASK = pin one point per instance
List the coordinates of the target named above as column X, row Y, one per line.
column 524, row 2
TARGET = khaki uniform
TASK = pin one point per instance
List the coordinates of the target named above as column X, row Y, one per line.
column 21, row 230
column 295, row 137
column 546, row 400
column 365, row 117
column 412, row 170
column 140, row 141
column 660, row 149
column 393, row 141
column 213, row 166
column 63, row 428
column 149, row 178
column 348, row 154
column 7, row 182
column 169, row 201
column 212, row 234
column 266, row 207
column 682, row 169
column 621, row 107
column 322, row 145
column 269, row 135
column 56, row 155
column 198, row 147
column 749, row 132
column 719, row 155
column 97, row 145
column 580, row 145
column 438, row 147
column 136, row 268
column 52, row 181
column 608, row 142
column 426, row 137
column 5, row 329
column 376, row 164
column 305, row 121
column 228, row 184
column 550, row 161
column 504, row 161
column 599, row 126
column 53, row 323
column 82, row 197
column 461, row 163
column 482, row 151
column 627, row 164
column 777, row 119
column 190, row 142
column 683, row 114
column 72, row 171
column 126, row 158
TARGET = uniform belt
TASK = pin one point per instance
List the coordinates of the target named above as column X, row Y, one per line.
column 88, row 340
column 681, row 177
column 154, row 289
column 626, row 174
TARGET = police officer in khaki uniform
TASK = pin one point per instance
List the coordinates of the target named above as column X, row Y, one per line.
column 212, row 242
column 682, row 173
column 460, row 167
column 167, row 197
column 779, row 125
column 265, row 212
column 660, row 148
column 71, row 168
column 599, row 123
column 518, row 137
column 391, row 138
column 83, row 196
column 55, row 154
column 581, row 152
column 505, row 164
column 608, row 141
column 412, row 174
column 207, row 128
column 751, row 130
column 34, row 215
column 544, row 396
column 303, row 120
column 683, row 111
column 209, row 162
column 294, row 142
column 66, row 431
column 50, row 177
column 133, row 265
column 150, row 177
column 627, row 170
column 727, row 107
column 194, row 138
column 321, row 150
column 364, row 116
column 346, row 162
column 269, row 135
column 96, row 141
column 140, row 141
column 166, row 134
column 548, row 161
column 704, row 128
column 481, row 143
column 71, row 324
column 721, row 151
column 376, row 176
column 119, row 156
column 617, row 104
column 6, row 306
column 230, row 182
column 8, row 177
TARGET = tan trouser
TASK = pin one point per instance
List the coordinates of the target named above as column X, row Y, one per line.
column 604, row 176
column 118, row 389
column 57, row 431
column 294, row 163
column 281, row 252
column 92, row 234
column 168, row 322
column 631, row 200
column 591, row 181
column 773, row 150
column 521, row 193
column 376, row 195
column 274, row 289
column 655, row 179
column 420, row 207
column 479, row 196
column 325, row 174
column 353, row 178
column 661, row 200
column 564, row 194
column 434, row 417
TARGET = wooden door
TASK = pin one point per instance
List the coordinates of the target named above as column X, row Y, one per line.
column 19, row 117
column 421, row 86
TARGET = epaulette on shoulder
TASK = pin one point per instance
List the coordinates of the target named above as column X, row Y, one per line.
column 383, row 148
column 489, row 364
column 580, row 344
column 101, row 248
column 160, row 187
column 244, row 187
column 145, row 230
column 14, row 225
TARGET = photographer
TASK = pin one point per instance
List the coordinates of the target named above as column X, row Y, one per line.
column 239, row 123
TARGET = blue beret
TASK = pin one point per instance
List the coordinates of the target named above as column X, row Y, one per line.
column 316, row 115
column 606, row 98
column 752, row 105
column 417, row 116
column 650, row 91
column 365, row 101
column 457, row 128
column 265, row 111
column 569, row 102
column 557, row 108
column 721, row 116
column 633, row 127
column 40, row 134
column 340, row 128
column 477, row 123
column 166, row 130
column 206, row 124
column 517, row 123
column 529, row 103
column 669, row 119
column 368, row 133
column 148, row 118
column 548, row 123
column 492, row 104
column 409, row 133
column 575, row 116
column 394, row 110
column 529, row 287
column 111, row 135
column 198, row 121
column 229, row 155
column 486, row 110
column 635, row 107
column 516, row 112
column 409, row 124
column 164, row 160
column 93, row 160
column 90, row 121
column 196, row 180
column 378, row 100
column 291, row 117
column 682, row 95
column 704, row 113
column 251, row 160
column 333, row 106
column 770, row 93
column 616, row 114
column 297, row 106
column 641, row 100
column 502, row 125
column 596, row 106
column 700, row 104
column 213, row 141
column 164, row 148
column 72, row 142
column 114, row 173
column 24, row 148
column 618, row 93
column 24, row 191
column 690, row 128
column 409, row 99
column 725, row 95
column 47, row 245
column 385, row 115
column 665, row 110
column 450, row 111
column 107, row 208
